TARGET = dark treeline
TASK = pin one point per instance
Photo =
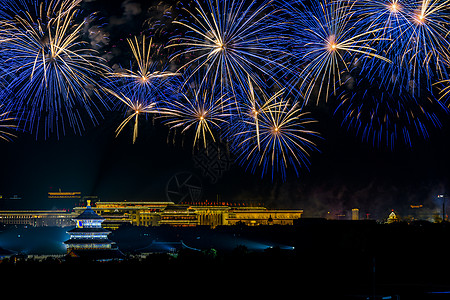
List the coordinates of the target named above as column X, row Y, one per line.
column 329, row 258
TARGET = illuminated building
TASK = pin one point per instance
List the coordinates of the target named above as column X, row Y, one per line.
column 93, row 199
column 179, row 215
column 124, row 212
column 36, row 218
column 355, row 214
column 254, row 216
column 89, row 239
column 168, row 213
column 212, row 215
column 64, row 200
column 392, row 218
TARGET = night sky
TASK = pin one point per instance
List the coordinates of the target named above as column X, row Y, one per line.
column 346, row 174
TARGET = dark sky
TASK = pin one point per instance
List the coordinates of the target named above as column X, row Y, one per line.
column 346, row 174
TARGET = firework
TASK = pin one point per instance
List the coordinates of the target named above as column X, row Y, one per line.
column 135, row 107
column 253, row 104
column 444, row 90
column 5, row 119
column 141, row 89
column 414, row 36
column 385, row 116
column 325, row 39
column 200, row 109
column 427, row 53
column 232, row 41
column 390, row 16
column 391, row 103
column 10, row 8
column 51, row 72
column 275, row 139
column 147, row 78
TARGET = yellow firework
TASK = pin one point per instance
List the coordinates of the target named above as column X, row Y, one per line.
column 4, row 126
column 200, row 109
column 136, row 107
column 255, row 106
column 230, row 41
column 146, row 66
column 139, row 89
column 280, row 141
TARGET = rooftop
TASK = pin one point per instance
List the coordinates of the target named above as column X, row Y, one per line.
column 88, row 214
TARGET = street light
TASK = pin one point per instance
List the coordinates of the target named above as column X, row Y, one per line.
column 443, row 206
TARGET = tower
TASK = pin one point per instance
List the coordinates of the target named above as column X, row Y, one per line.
column 89, row 240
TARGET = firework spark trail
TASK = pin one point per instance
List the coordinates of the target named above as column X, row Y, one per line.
column 5, row 125
column 141, row 89
column 200, row 108
column 50, row 70
column 386, row 116
column 326, row 37
column 147, row 78
column 10, row 8
column 414, row 37
column 275, row 139
column 135, row 107
column 252, row 106
column 390, row 17
column 395, row 101
column 234, row 54
column 428, row 53
column 232, row 40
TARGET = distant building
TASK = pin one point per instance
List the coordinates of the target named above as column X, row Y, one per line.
column 392, row 218
column 125, row 212
column 93, row 199
column 168, row 213
column 64, row 200
column 89, row 240
column 36, row 218
column 262, row 216
column 355, row 214
column 212, row 215
column 179, row 215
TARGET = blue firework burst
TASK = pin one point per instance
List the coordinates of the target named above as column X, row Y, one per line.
column 51, row 72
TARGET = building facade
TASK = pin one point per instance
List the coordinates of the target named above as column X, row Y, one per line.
column 37, row 218
column 168, row 213
column 88, row 233
column 355, row 214
column 254, row 216
column 125, row 212
column 64, row 200
column 89, row 239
